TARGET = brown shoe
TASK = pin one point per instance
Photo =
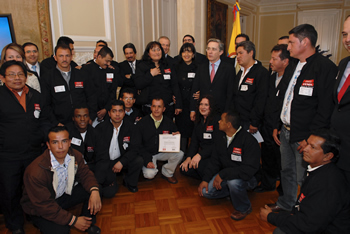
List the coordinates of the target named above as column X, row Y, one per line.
column 237, row 215
column 274, row 207
column 171, row 180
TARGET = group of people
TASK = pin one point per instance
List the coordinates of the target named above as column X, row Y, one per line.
column 67, row 131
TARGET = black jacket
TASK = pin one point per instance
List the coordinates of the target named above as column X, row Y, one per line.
column 310, row 112
column 147, row 136
column 49, row 63
column 21, row 132
column 249, row 97
column 134, row 117
column 323, row 205
column 220, row 89
column 125, row 69
column 61, row 98
column 226, row 160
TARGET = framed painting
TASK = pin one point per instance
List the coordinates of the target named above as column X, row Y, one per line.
column 217, row 21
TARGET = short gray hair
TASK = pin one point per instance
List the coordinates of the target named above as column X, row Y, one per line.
column 221, row 45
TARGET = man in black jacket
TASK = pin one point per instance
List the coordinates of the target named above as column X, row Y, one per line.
column 235, row 160
column 250, row 87
column 128, row 66
column 64, row 86
column 22, row 115
column 323, row 205
column 116, row 139
column 305, row 101
column 132, row 113
column 147, row 141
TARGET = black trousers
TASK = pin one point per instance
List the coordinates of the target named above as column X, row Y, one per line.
column 78, row 196
column 11, row 182
column 199, row 172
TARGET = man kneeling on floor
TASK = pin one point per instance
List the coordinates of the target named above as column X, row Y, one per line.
column 234, row 161
column 57, row 180
column 323, row 203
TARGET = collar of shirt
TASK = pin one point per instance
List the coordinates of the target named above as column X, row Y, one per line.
column 31, row 66
column 310, row 169
column 156, row 121
column 117, row 129
column 216, row 65
column 133, row 63
column 66, row 73
column 55, row 164
column 130, row 112
column 230, row 139
column 248, row 69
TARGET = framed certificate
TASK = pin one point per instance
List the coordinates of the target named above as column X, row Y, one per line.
column 169, row 143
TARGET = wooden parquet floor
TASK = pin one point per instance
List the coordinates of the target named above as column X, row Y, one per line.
column 161, row 207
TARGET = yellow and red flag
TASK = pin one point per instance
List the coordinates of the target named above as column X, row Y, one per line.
column 236, row 30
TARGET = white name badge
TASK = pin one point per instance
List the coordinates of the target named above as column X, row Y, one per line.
column 191, row 75
column 207, row 135
column 125, row 146
column 306, row 91
column 76, row 141
column 166, row 77
column 60, row 88
column 110, row 75
column 244, row 87
column 37, row 114
column 236, row 158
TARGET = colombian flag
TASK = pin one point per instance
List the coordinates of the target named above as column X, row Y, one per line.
column 235, row 30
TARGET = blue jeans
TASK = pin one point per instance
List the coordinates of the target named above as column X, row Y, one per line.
column 292, row 173
column 236, row 189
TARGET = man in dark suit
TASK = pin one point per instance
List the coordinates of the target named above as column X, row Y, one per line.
column 117, row 139
column 31, row 53
column 128, row 66
column 306, row 104
column 214, row 78
column 341, row 96
column 165, row 43
column 250, row 87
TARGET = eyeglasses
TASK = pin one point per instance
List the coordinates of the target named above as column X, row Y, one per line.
column 13, row 75
column 128, row 98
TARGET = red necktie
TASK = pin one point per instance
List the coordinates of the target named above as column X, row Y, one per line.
column 212, row 73
column 344, row 88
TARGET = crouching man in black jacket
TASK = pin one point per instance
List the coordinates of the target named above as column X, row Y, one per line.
column 235, row 160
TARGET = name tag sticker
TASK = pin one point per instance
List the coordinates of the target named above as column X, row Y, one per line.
column 166, row 77
column 210, row 128
column 236, row 158
column 125, row 146
column 191, row 75
column 37, row 114
column 109, row 77
column 249, row 81
column 59, row 89
column 306, row 91
column 126, row 139
column 167, row 70
column 206, row 135
column 37, row 107
column 76, row 141
column 244, row 87
column 79, row 84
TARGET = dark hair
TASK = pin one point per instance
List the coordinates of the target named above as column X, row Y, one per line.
column 247, row 46
column 12, row 63
column 104, row 51
column 129, row 45
column 158, row 99
column 305, row 31
column 284, row 52
column 62, row 46
column 332, row 141
column 126, row 90
column 212, row 107
column 65, row 40
column 234, row 118
column 243, row 35
column 57, row 129
column 116, row 102
column 187, row 47
column 150, row 46
column 29, row 44
column 188, row 35
column 283, row 37
column 80, row 106
column 102, row 41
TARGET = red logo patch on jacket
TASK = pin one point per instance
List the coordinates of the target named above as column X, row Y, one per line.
column 165, row 132
column 237, row 151
column 167, row 70
column 79, row 84
column 249, row 81
column 302, row 196
column 37, row 107
column 126, row 139
column 308, row 83
column 210, row 128
column 90, row 149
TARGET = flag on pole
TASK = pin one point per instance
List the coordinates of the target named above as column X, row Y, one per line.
column 236, row 30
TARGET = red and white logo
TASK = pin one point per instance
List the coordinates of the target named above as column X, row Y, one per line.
column 90, row 149
column 79, row 84
column 165, row 132
column 126, row 139
column 308, row 83
column 302, row 196
column 210, row 128
column 167, row 70
column 249, row 81
column 37, row 107
column 237, row 151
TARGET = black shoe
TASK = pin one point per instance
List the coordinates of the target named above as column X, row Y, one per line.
column 93, row 229
column 132, row 189
column 18, row 231
column 260, row 189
